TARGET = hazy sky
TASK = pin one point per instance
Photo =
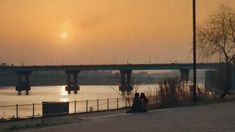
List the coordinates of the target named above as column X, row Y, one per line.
column 98, row 31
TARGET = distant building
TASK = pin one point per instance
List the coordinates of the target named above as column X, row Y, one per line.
column 210, row 76
column 96, row 72
column 3, row 64
column 213, row 82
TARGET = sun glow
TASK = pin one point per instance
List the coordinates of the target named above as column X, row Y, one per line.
column 64, row 35
column 63, row 94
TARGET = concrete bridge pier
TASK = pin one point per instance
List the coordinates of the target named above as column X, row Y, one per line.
column 184, row 74
column 72, row 84
column 125, row 81
column 23, row 82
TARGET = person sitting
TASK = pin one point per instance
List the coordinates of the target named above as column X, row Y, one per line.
column 143, row 103
column 136, row 104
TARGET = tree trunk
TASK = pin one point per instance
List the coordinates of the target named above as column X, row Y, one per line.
column 228, row 82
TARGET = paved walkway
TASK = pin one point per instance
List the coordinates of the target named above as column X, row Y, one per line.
column 205, row 118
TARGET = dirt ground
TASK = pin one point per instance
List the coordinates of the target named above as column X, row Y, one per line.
column 203, row 118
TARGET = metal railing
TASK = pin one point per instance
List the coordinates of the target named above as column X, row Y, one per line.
column 23, row 111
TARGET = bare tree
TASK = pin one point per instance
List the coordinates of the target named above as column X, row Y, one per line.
column 216, row 38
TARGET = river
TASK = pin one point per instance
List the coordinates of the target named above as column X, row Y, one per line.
column 37, row 95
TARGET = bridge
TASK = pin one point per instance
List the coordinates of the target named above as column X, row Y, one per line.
column 23, row 73
column 171, row 66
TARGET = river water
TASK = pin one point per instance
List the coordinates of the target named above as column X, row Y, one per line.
column 37, row 95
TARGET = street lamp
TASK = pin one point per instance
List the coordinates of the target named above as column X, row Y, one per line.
column 194, row 53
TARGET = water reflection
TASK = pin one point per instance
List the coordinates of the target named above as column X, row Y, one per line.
column 40, row 94
column 63, row 94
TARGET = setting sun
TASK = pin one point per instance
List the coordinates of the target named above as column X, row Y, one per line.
column 64, row 35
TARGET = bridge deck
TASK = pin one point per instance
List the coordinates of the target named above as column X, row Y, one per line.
column 171, row 66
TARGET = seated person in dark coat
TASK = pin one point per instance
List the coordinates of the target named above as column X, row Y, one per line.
column 143, row 103
column 136, row 104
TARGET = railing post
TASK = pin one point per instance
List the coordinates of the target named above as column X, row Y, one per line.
column 107, row 104
column 117, row 103
column 97, row 104
column 75, row 105
column 86, row 105
column 33, row 111
column 17, row 111
column 149, row 98
column 126, row 102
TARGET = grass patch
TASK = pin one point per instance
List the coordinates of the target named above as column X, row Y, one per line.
column 39, row 123
column 26, row 126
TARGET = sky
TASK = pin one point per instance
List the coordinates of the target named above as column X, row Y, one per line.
column 73, row 32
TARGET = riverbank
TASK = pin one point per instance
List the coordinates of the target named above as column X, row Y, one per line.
column 55, row 121
column 210, row 117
